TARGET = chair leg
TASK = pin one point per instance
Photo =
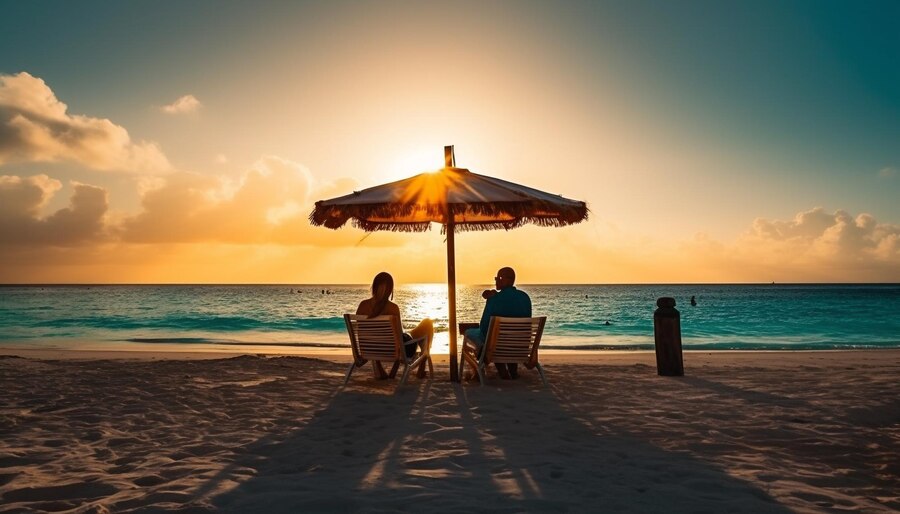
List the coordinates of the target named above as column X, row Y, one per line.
column 404, row 376
column 541, row 373
column 480, row 370
column 462, row 365
column 393, row 372
column 349, row 371
column 430, row 367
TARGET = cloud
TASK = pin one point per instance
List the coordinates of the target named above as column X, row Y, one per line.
column 185, row 104
column 21, row 200
column 269, row 204
column 816, row 235
column 35, row 127
column 887, row 172
column 814, row 246
column 805, row 226
column 196, row 228
column 191, row 207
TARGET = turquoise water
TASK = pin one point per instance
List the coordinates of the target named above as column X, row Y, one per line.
column 767, row 317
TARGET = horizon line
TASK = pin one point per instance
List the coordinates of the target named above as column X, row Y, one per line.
column 292, row 284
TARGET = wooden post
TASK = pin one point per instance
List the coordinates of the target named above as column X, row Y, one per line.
column 667, row 334
column 450, row 162
column 451, row 292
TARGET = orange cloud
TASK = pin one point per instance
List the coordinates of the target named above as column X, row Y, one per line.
column 254, row 228
column 268, row 204
column 185, row 104
column 20, row 204
column 35, row 127
column 816, row 236
column 813, row 246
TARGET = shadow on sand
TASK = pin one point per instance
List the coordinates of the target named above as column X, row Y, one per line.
column 441, row 447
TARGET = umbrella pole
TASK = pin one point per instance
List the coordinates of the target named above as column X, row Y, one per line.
column 451, row 293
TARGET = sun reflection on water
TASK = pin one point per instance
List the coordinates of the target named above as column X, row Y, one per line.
column 419, row 301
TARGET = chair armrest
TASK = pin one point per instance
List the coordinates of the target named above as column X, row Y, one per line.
column 414, row 341
column 468, row 344
column 466, row 326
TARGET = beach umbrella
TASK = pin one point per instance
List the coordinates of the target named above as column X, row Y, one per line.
column 457, row 199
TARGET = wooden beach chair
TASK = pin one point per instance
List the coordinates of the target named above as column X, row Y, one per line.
column 509, row 341
column 381, row 339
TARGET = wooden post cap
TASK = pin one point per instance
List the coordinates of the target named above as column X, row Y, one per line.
column 449, row 158
column 666, row 302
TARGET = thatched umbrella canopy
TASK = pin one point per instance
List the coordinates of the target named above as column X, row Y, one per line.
column 457, row 199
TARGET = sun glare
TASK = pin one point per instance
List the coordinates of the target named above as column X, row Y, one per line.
column 421, row 301
column 416, row 161
column 429, row 301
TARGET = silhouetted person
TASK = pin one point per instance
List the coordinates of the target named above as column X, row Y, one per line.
column 380, row 304
column 506, row 301
column 693, row 301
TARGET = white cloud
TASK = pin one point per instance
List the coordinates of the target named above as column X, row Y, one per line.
column 185, row 104
column 887, row 172
column 35, row 127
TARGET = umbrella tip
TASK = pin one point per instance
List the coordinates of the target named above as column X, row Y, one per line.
column 449, row 157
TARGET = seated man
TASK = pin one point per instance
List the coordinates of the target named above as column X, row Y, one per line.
column 506, row 301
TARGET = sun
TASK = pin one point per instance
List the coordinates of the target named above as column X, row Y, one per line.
column 415, row 161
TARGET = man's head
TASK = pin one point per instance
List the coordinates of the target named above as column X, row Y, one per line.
column 506, row 277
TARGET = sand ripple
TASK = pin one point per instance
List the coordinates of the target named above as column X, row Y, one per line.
column 807, row 433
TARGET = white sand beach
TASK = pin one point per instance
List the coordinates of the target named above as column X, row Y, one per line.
column 741, row 432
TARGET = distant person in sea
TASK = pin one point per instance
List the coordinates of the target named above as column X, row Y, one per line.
column 506, row 301
column 693, row 301
column 380, row 304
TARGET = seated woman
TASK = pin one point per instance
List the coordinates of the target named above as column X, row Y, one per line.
column 380, row 304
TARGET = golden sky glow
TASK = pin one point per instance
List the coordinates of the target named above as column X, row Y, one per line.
column 198, row 158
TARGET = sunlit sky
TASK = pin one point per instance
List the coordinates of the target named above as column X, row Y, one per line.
column 186, row 142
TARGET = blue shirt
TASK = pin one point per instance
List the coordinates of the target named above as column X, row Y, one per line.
column 508, row 302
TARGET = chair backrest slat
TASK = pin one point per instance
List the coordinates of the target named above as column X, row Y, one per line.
column 514, row 340
column 377, row 338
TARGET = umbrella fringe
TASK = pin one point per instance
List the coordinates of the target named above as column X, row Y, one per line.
column 550, row 215
column 509, row 225
column 370, row 226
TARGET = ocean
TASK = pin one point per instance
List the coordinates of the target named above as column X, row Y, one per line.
column 268, row 318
